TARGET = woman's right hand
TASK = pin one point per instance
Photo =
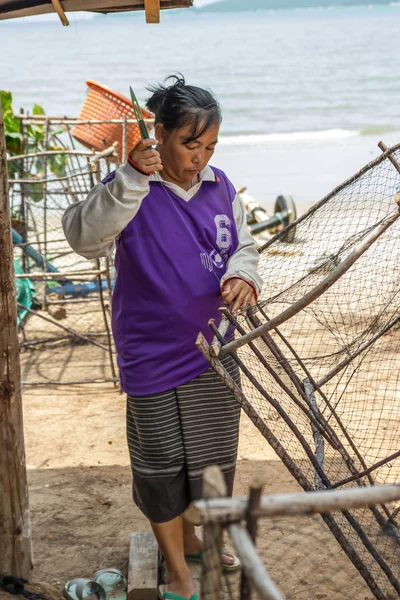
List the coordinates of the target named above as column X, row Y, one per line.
column 145, row 157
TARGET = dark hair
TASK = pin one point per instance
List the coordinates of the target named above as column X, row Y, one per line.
column 178, row 105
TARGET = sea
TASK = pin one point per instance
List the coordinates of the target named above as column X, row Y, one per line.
column 306, row 94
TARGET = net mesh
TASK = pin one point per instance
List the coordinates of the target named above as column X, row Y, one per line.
column 323, row 386
column 65, row 328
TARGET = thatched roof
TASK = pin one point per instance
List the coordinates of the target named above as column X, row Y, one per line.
column 10, row 9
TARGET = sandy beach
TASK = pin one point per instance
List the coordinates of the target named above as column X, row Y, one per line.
column 80, row 487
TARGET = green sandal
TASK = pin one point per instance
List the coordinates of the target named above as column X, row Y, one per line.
column 197, row 558
column 163, row 595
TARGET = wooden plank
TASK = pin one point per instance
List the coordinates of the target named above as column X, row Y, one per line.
column 15, row 529
column 105, row 6
column 143, row 567
column 152, row 8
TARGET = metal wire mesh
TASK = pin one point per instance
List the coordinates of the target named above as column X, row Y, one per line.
column 65, row 329
column 323, row 385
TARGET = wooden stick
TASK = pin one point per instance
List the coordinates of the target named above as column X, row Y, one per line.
column 124, row 139
column 111, row 151
column 256, row 486
column 76, row 382
column 152, row 8
column 60, row 11
column 214, row 486
column 53, row 180
column 71, row 121
column 222, row 329
column 58, row 324
column 252, row 565
column 230, row 510
column 51, row 275
column 15, row 526
column 106, row 325
column 318, row 438
column 319, row 289
column 50, row 153
column 392, row 159
column 361, row 474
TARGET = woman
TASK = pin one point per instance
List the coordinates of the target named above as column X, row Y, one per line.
column 182, row 250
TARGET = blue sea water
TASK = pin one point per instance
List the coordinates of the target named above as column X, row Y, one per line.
column 306, row 94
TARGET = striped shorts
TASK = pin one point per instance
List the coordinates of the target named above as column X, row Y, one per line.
column 174, row 435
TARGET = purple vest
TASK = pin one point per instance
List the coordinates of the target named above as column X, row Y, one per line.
column 169, row 262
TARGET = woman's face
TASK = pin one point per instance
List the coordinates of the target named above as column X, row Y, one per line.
column 183, row 160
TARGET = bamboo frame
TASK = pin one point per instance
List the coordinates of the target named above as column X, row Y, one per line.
column 297, row 473
column 229, row 512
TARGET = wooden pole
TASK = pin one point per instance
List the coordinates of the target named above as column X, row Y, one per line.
column 256, row 486
column 214, row 486
column 252, row 565
column 15, row 528
column 230, row 510
column 152, row 8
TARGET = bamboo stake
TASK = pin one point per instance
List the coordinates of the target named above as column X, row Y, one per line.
column 380, row 463
column 49, row 153
column 392, row 159
column 256, row 486
column 103, row 310
column 231, row 510
column 124, row 139
column 51, row 275
column 53, row 180
column 318, row 438
column 252, row 565
column 222, row 330
column 40, row 120
column 57, row 324
column 15, row 527
column 214, row 486
column 76, row 382
column 319, row 289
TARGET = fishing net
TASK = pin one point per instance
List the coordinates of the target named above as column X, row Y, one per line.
column 320, row 358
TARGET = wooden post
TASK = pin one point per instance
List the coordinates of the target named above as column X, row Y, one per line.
column 214, row 486
column 152, row 8
column 15, row 529
column 256, row 487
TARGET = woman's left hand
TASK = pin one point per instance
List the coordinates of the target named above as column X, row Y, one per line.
column 239, row 293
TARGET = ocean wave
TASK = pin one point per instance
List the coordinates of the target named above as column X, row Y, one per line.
column 295, row 136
